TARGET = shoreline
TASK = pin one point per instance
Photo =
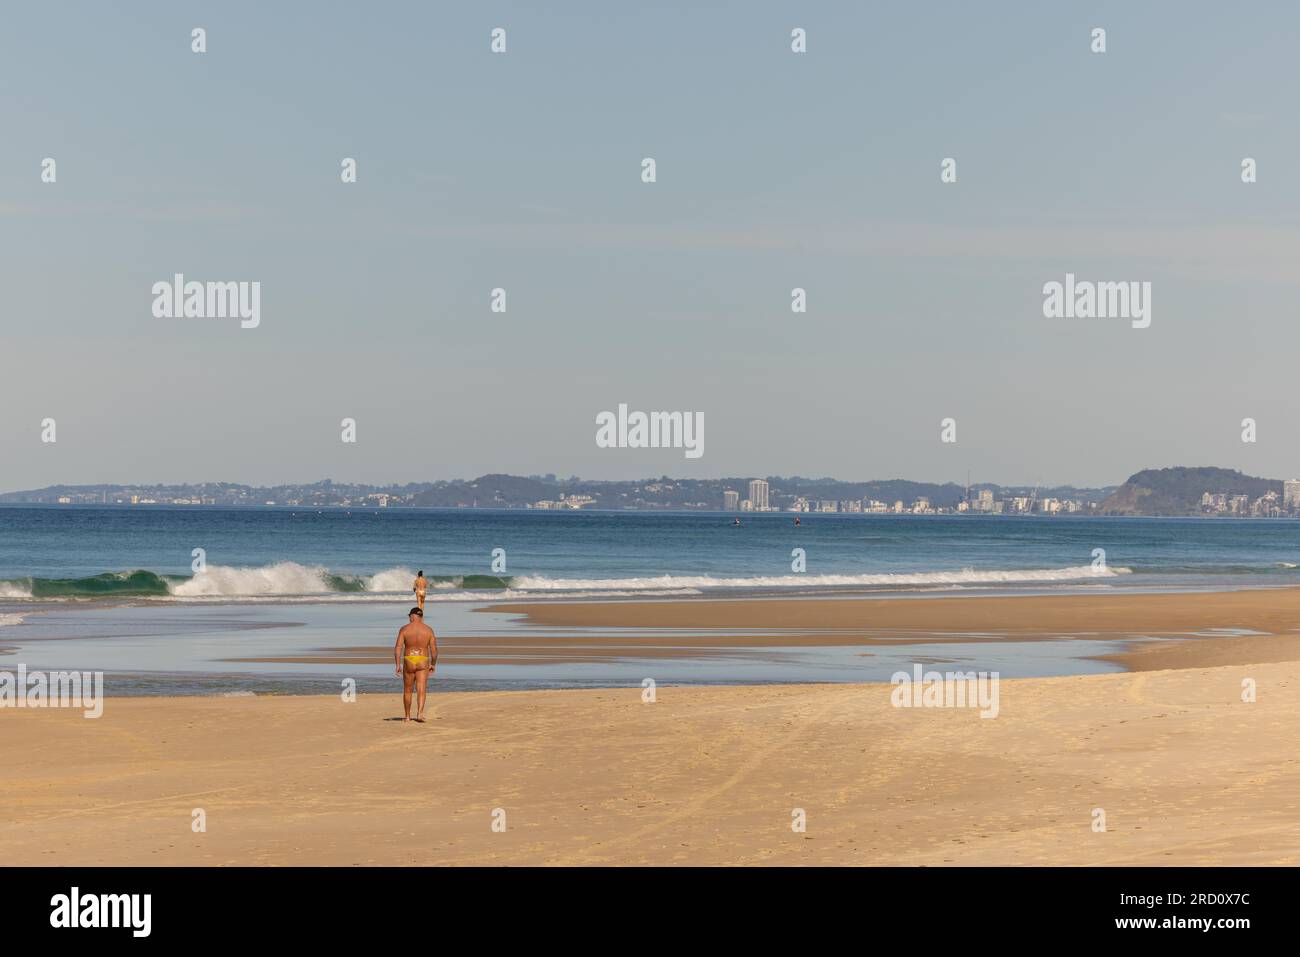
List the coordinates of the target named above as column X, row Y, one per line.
column 1155, row 630
column 1152, row 631
column 718, row 643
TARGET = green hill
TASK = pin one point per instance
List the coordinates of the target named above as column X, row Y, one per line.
column 1178, row 491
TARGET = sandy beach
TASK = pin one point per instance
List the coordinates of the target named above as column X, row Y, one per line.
column 1149, row 631
column 884, row 621
column 1184, row 769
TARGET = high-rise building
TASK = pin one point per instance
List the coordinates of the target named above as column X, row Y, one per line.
column 1291, row 494
column 730, row 500
column 758, row 494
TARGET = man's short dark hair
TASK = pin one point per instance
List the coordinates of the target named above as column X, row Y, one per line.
column 416, row 611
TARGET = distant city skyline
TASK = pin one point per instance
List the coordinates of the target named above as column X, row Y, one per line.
column 522, row 172
column 1204, row 491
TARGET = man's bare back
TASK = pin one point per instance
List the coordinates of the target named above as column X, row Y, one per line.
column 418, row 641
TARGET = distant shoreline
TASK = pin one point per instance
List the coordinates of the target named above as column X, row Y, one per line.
column 646, row 510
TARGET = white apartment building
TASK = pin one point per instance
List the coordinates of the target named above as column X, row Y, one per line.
column 1291, row 494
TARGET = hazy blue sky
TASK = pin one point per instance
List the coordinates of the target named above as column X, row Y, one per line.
column 522, row 170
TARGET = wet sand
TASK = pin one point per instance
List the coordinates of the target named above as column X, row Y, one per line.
column 721, row 628
column 1182, row 622
column 1273, row 610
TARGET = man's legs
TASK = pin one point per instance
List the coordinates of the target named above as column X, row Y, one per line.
column 408, row 678
column 422, row 686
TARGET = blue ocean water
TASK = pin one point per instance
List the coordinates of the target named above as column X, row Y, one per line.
column 273, row 554
column 284, row 591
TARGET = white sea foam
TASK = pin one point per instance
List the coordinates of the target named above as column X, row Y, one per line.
column 965, row 576
column 514, row 594
column 292, row 581
column 291, row 578
column 15, row 590
column 283, row 578
column 486, row 595
column 397, row 580
column 10, row 620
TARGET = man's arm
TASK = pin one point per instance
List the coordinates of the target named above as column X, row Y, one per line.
column 397, row 652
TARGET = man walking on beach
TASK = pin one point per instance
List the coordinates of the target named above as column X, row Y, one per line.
column 416, row 656
column 420, row 586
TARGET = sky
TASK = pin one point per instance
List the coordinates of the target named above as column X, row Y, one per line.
column 522, row 171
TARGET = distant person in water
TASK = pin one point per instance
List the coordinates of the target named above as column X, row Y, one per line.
column 416, row 657
column 420, row 587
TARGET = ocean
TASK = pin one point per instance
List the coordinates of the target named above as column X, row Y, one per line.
column 116, row 586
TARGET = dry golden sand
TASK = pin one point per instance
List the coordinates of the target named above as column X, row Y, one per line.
column 1186, row 772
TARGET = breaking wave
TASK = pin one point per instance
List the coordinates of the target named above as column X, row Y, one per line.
column 293, row 581
column 966, row 576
